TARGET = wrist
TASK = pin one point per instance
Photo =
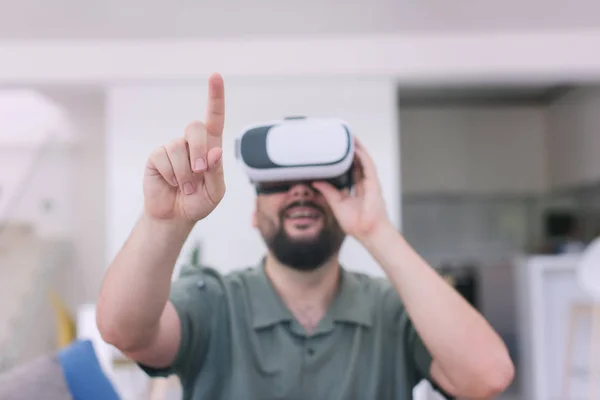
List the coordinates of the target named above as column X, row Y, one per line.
column 173, row 228
column 390, row 250
column 380, row 236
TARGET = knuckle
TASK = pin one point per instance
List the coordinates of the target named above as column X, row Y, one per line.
column 195, row 130
column 169, row 147
column 158, row 153
column 176, row 146
column 180, row 144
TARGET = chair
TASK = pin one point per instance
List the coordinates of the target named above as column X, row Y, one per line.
column 588, row 277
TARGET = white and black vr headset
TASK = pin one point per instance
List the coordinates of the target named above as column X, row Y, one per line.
column 279, row 154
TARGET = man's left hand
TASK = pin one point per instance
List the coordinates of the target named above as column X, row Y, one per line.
column 363, row 212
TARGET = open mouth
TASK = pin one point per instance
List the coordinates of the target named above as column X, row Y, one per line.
column 302, row 212
column 303, row 215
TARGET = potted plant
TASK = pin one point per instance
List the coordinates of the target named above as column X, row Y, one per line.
column 195, row 255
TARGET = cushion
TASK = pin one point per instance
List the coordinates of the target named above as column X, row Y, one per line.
column 39, row 379
column 72, row 374
column 83, row 374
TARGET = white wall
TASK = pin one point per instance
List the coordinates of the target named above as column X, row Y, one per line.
column 574, row 139
column 39, row 188
column 70, row 178
column 480, row 150
column 86, row 181
column 87, row 109
column 142, row 117
column 34, row 158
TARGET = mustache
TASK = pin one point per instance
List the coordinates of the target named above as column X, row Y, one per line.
column 302, row 203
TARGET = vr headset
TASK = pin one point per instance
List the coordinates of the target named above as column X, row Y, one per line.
column 279, row 154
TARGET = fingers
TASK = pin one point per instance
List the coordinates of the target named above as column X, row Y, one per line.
column 331, row 194
column 178, row 156
column 357, row 170
column 179, row 161
column 358, row 177
column 215, row 112
column 214, row 159
column 205, row 159
column 368, row 169
column 202, row 157
column 196, row 137
column 213, row 178
column 159, row 164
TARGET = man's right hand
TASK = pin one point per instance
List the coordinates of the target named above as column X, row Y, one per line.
column 183, row 180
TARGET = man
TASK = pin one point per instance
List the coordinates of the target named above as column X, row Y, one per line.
column 298, row 325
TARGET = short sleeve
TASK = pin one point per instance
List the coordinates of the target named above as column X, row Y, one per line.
column 420, row 357
column 416, row 357
column 194, row 295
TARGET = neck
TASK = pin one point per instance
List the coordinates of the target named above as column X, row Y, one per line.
column 307, row 294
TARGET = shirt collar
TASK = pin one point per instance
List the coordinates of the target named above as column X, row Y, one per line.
column 349, row 306
column 265, row 304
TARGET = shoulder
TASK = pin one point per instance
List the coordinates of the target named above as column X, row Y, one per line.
column 199, row 277
column 380, row 293
column 211, row 280
column 376, row 287
column 200, row 292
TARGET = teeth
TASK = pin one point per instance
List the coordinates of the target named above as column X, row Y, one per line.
column 303, row 214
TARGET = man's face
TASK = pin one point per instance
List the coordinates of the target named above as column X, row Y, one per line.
column 298, row 227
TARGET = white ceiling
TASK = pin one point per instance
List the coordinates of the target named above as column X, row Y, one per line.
column 143, row 19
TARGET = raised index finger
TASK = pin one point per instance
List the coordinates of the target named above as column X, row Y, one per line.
column 215, row 111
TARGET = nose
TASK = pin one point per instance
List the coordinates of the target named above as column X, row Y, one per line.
column 302, row 190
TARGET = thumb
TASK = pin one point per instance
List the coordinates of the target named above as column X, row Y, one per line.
column 331, row 194
column 213, row 176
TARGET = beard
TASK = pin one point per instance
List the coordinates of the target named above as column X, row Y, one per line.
column 306, row 254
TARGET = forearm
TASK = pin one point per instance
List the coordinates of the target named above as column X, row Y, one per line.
column 463, row 345
column 137, row 285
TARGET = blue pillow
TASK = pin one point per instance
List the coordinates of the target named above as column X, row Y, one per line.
column 83, row 374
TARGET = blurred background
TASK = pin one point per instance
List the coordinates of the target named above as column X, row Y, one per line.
column 483, row 119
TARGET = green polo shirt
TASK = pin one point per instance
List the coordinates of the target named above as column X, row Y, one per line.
column 239, row 341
